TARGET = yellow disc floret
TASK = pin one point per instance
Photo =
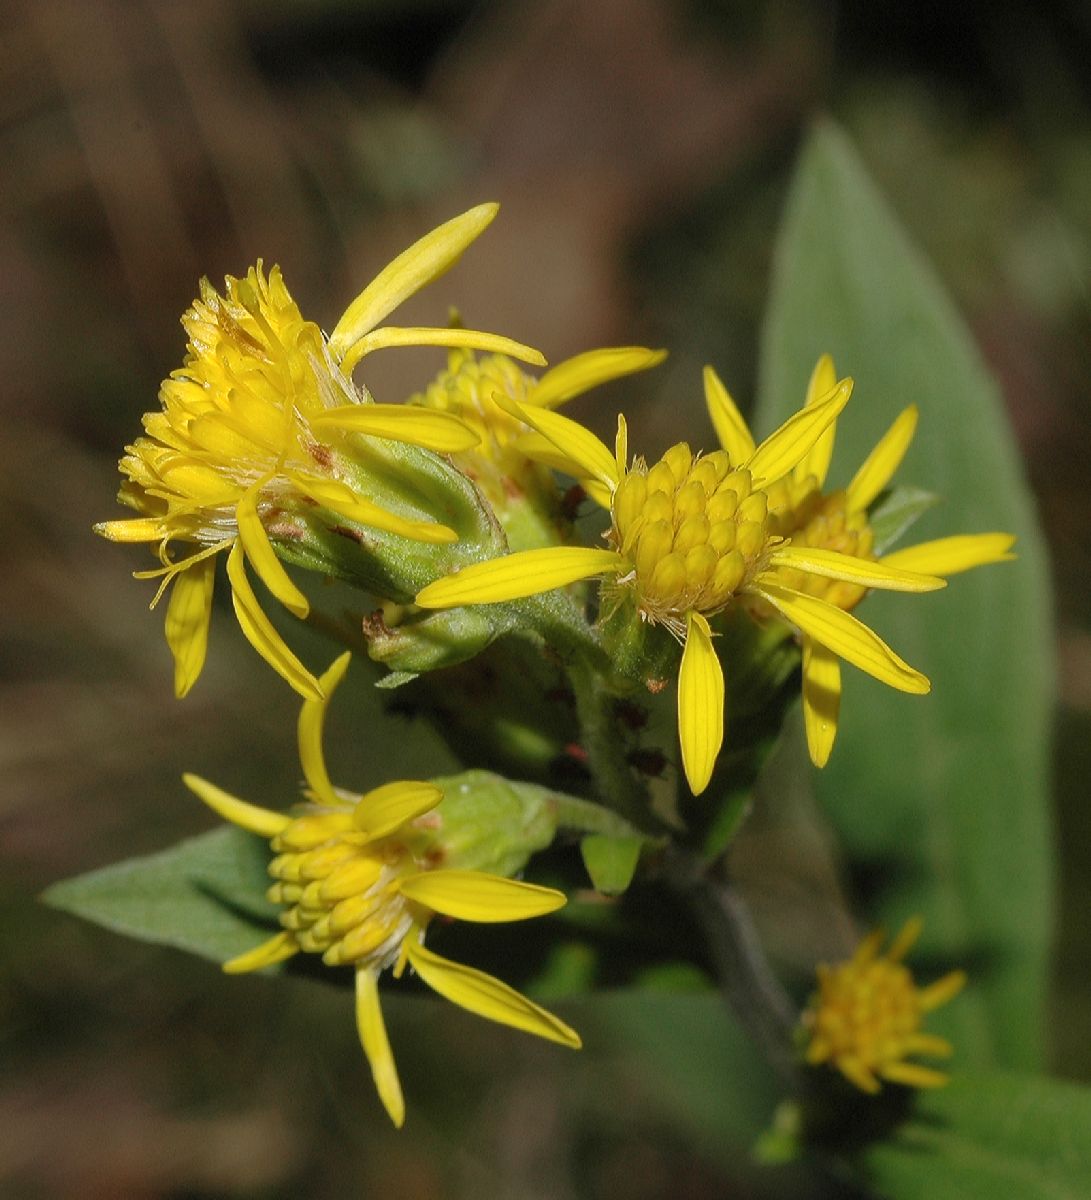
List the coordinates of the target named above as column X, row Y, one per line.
column 343, row 890
column 694, row 529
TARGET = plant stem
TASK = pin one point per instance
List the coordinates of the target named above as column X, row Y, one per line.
column 742, row 971
column 585, row 816
column 616, row 781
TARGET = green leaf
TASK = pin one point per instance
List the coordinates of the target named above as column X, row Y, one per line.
column 941, row 801
column 611, row 861
column 205, row 895
column 896, row 512
column 988, row 1136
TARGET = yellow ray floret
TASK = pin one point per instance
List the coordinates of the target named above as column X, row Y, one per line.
column 478, row 390
column 359, row 879
column 262, row 413
column 816, row 525
column 865, row 1019
column 692, row 535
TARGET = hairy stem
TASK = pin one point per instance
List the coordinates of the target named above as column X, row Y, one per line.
column 616, row 782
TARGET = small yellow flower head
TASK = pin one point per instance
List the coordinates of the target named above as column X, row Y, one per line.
column 811, row 518
column 865, row 1020
column 508, row 462
column 823, row 522
column 688, row 537
column 694, row 530
column 467, row 389
column 361, row 877
column 263, row 414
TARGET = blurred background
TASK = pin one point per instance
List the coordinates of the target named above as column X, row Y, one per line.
column 641, row 151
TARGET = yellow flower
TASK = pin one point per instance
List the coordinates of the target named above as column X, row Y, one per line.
column 498, row 463
column 361, row 877
column 262, row 411
column 866, row 1017
column 801, row 511
column 690, row 536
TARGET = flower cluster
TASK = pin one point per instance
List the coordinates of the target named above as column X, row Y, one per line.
column 264, row 412
column 455, row 513
column 360, row 878
column 692, row 535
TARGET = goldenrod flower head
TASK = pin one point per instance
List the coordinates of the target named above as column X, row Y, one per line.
column 508, row 461
column 263, row 411
column 360, row 878
column 866, row 1017
column 695, row 531
column 689, row 536
column 811, row 518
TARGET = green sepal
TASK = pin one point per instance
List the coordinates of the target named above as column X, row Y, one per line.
column 639, row 652
column 489, row 823
column 435, row 640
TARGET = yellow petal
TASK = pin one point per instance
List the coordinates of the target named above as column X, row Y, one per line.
column 538, row 447
column 821, row 699
column 475, row 896
column 425, row 260
column 781, row 450
column 188, row 615
column 488, row 997
column 700, row 704
column 255, row 541
column 950, row 555
column 867, row 572
column 879, row 466
column 869, row 948
column 376, row 1045
column 259, row 632
column 428, row 427
column 312, row 717
column 580, row 374
column 621, row 445
column 816, row 461
column 905, row 940
column 574, row 442
column 941, row 991
column 855, row 1072
column 542, row 450
column 131, row 529
column 517, row 575
column 340, row 498
column 384, row 809
column 251, row 817
column 842, row 633
column 913, row 1075
column 730, row 426
column 275, row 950
column 472, row 339
column 928, row 1043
